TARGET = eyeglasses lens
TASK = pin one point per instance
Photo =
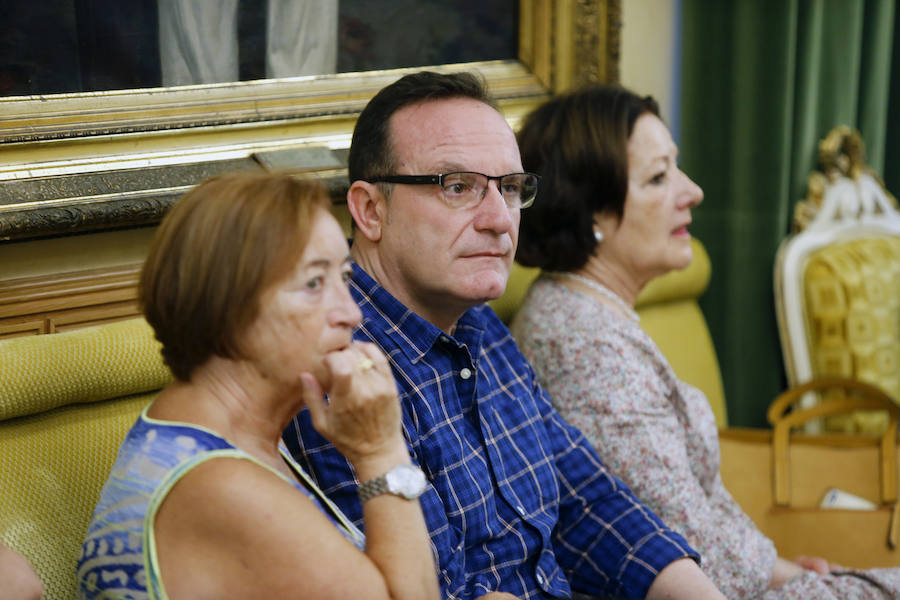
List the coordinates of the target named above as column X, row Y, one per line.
column 465, row 189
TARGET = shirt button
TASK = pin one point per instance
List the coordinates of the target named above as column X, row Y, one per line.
column 520, row 510
column 444, row 339
column 465, row 373
column 540, row 579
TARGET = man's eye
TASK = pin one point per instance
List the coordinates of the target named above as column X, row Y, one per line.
column 457, row 188
column 512, row 188
column 314, row 283
column 347, row 275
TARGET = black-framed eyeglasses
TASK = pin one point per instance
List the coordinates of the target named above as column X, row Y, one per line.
column 465, row 189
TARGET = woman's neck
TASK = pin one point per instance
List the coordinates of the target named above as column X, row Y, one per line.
column 613, row 277
column 233, row 399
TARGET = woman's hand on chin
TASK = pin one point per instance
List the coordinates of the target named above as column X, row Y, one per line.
column 362, row 415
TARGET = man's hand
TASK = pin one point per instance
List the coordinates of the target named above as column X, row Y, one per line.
column 497, row 596
column 19, row 581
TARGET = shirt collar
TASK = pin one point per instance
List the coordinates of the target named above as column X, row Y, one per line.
column 419, row 334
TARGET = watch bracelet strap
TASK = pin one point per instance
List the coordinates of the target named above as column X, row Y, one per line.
column 372, row 488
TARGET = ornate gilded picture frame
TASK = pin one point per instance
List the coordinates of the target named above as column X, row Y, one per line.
column 94, row 161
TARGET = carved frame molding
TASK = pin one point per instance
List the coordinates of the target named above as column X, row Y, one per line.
column 74, row 163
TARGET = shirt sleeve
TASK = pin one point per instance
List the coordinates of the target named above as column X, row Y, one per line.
column 607, row 541
column 617, row 394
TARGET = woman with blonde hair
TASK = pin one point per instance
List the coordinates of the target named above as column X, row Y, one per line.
column 245, row 285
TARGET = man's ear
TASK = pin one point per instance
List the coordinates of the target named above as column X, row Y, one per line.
column 368, row 208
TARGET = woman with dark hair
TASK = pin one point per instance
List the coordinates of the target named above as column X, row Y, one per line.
column 245, row 286
column 613, row 213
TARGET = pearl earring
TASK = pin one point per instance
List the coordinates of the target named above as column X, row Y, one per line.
column 598, row 235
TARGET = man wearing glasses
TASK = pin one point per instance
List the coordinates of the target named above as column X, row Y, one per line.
column 516, row 500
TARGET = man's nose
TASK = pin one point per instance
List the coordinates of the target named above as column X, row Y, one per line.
column 493, row 213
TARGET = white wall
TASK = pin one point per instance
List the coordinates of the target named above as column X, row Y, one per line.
column 649, row 52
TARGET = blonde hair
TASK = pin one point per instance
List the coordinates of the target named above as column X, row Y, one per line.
column 215, row 253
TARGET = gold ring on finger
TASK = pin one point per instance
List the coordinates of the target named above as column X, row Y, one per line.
column 365, row 364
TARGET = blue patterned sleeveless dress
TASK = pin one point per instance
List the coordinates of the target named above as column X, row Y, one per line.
column 118, row 558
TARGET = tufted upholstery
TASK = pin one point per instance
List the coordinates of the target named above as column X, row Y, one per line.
column 853, row 317
column 669, row 314
column 66, row 402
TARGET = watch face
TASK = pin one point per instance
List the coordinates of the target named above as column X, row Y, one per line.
column 406, row 481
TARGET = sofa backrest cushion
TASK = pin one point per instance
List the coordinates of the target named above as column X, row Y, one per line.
column 96, row 363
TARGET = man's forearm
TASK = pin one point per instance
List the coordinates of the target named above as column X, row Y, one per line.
column 683, row 580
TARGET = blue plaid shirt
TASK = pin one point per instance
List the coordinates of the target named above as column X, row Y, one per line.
column 518, row 501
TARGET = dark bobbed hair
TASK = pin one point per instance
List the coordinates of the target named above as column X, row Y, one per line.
column 577, row 143
column 213, row 256
column 371, row 151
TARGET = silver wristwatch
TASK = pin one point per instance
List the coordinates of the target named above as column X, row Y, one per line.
column 404, row 480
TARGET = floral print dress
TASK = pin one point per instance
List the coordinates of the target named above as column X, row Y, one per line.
column 659, row 435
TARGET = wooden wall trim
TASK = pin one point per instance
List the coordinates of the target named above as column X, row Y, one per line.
column 63, row 301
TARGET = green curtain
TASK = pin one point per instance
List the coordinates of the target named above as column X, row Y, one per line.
column 762, row 82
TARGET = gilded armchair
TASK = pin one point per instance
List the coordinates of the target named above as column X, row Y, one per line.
column 837, row 281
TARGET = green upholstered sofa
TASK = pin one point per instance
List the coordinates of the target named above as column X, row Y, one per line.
column 67, row 400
